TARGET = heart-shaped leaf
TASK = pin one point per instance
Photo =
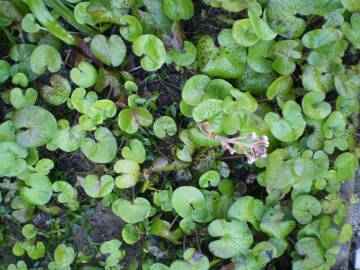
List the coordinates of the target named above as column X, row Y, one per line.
column 84, row 75
column 305, row 207
column 130, row 172
column 20, row 98
column 12, row 159
column 186, row 200
column 179, row 9
column 130, row 28
column 135, row 151
column 131, row 119
column 95, row 187
column 65, row 190
column 152, row 51
column 110, row 51
column 235, row 238
column 314, row 105
column 291, row 126
column 164, row 126
column 103, row 150
column 58, row 92
column 45, row 57
column 38, row 189
column 132, row 212
column 36, row 126
column 63, row 255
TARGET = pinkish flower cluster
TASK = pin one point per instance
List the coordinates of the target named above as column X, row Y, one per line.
column 253, row 146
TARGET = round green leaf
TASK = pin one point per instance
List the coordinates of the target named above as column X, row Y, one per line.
column 186, row 199
column 110, row 52
column 45, row 57
column 38, row 126
column 130, row 28
column 132, row 212
column 12, row 158
column 64, row 255
column 130, row 119
column 103, row 150
column 29, row 24
column 243, row 33
column 184, row 57
column 129, row 171
column 58, row 92
column 346, row 165
column 314, row 106
column 84, row 75
column 291, row 126
column 135, row 151
column 97, row 188
column 152, row 51
column 235, row 238
column 38, row 189
column 66, row 191
column 305, row 207
column 164, row 126
column 179, row 9
column 212, row 177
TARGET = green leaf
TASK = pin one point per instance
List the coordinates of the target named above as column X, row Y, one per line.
column 58, row 92
column 244, row 33
column 285, row 53
column 305, row 207
column 135, row 151
column 20, row 98
column 130, row 28
column 179, row 9
column 68, row 139
column 227, row 61
column 84, row 75
column 29, row 24
column 280, row 86
column 36, row 126
column 207, row 109
column 247, row 209
column 257, row 57
column 315, row 107
column 351, row 31
column 235, row 238
column 164, row 126
column 110, row 51
column 29, row 231
column 4, row 71
column 132, row 212
column 212, row 177
column 345, row 165
column 67, row 192
column 131, row 119
column 317, row 78
column 95, row 187
column 44, row 57
column 38, row 189
column 291, row 126
column 194, row 90
column 184, row 57
column 351, row 5
column 281, row 16
column 63, row 255
column 334, row 125
column 103, row 150
column 130, row 172
column 320, row 37
column 260, row 26
column 152, row 51
column 345, row 233
column 186, row 200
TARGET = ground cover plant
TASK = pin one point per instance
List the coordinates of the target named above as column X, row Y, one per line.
column 178, row 134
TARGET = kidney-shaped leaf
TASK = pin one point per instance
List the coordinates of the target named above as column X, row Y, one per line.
column 38, row 189
column 110, row 51
column 186, row 199
column 314, row 105
column 152, row 51
column 132, row 212
column 95, row 187
column 37, row 126
column 103, row 150
column 305, row 207
column 45, row 57
column 291, row 126
column 12, row 158
column 235, row 238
